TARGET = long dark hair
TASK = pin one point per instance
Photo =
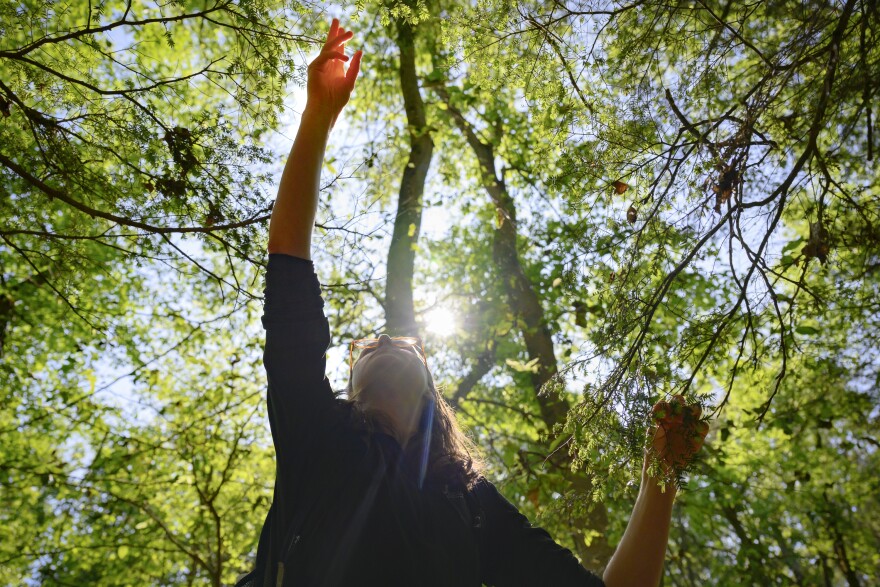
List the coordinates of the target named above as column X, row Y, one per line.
column 440, row 450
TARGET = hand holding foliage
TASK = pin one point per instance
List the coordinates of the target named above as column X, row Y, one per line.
column 677, row 433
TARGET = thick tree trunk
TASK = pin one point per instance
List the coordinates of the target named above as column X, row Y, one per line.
column 399, row 309
column 525, row 304
column 521, row 296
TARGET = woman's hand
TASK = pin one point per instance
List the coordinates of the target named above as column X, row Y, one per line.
column 675, row 437
column 677, row 434
column 329, row 86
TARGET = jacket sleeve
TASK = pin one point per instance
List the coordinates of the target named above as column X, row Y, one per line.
column 513, row 553
column 297, row 337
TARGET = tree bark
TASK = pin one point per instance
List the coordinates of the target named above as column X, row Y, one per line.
column 485, row 362
column 399, row 309
column 521, row 296
column 525, row 304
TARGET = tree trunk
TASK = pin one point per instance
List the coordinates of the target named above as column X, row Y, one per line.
column 520, row 295
column 399, row 309
column 525, row 304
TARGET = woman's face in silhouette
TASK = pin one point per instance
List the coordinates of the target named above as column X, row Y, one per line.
column 393, row 381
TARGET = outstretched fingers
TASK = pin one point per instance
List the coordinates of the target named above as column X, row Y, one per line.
column 338, row 40
column 334, row 47
column 328, row 78
column 326, row 56
column 353, row 68
column 334, row 29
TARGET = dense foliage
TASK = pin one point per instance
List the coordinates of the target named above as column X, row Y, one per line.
column 624, row 200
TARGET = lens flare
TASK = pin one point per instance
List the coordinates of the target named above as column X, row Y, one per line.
column 441, row 322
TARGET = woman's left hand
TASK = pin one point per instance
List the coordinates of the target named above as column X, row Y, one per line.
column 677, row 433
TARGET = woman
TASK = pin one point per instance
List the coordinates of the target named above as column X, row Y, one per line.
column 379, row 489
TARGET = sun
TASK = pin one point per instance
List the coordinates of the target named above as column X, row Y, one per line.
column 440, row 321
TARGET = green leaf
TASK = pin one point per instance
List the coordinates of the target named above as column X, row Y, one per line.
column 531, row 366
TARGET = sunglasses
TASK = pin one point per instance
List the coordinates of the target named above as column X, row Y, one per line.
column 401, row 342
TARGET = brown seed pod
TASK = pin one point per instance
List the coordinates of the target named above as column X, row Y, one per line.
column 631, row 215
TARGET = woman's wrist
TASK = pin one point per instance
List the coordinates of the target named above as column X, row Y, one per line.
column 320, row 113
column 656, row 486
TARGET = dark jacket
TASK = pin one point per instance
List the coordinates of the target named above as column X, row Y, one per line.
column 347, row 509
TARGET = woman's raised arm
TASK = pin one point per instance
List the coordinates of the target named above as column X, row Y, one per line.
column 677, row 437
column 329, row 88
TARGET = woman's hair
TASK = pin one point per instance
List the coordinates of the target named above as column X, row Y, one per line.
column 452, row 457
